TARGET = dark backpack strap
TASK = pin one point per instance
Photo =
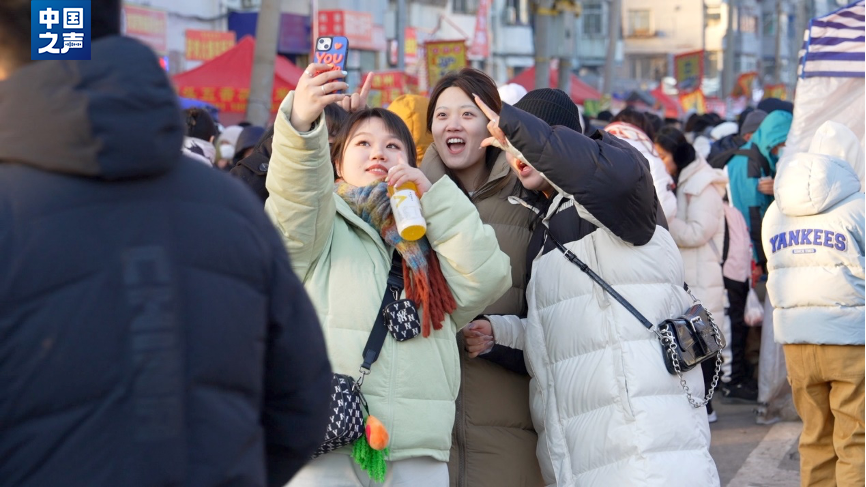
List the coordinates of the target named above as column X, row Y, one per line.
column 604, row 285
column 720, row 160
column 380, row 331
column 758, row 164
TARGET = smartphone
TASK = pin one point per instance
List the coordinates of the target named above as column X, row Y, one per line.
column 332, row 50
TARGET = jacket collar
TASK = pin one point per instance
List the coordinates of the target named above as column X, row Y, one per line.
column 346, row 212
column 434, row 169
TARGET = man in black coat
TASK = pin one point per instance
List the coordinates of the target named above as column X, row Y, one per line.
column 151, row 329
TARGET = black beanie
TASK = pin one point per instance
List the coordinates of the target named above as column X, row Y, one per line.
column 553, row 106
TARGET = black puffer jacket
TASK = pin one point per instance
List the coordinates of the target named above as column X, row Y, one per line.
column 253, row 169
column 609, row 177
column 151, row 329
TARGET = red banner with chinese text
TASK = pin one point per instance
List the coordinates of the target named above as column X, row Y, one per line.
column 480, row 48
column 204, row 45
column 392, row 84
column 147, row 25
column 358, row 27
column 228, row 99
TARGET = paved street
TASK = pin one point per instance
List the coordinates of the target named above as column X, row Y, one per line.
column 752, row 455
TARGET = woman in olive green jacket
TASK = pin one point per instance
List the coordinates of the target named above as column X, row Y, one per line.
column 494, row 440
column 343, row 260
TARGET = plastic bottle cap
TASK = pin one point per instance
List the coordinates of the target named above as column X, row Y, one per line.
column 413, row 232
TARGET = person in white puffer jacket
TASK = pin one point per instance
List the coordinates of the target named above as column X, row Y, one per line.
column 606, row 410
column 814, row 239
column 699, row 230
column 631, row 126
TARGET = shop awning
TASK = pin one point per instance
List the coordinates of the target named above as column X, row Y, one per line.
column 672, row 107
column 224, row 81
column 579, row 91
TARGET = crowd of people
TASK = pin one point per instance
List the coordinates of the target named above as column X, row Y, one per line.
column 166, row 324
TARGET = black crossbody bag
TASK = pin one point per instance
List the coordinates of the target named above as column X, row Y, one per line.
column 686, row 340
column 348, row 406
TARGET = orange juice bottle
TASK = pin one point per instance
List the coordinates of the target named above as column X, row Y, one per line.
column 406, row 207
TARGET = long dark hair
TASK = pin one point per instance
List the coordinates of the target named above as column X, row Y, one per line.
column 469, row 80
column 393, row 123
column 675, row 143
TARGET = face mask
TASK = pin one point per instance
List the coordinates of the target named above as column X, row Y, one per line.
column 226, row 151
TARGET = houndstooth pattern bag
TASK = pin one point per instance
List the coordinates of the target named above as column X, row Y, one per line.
column 346, row 419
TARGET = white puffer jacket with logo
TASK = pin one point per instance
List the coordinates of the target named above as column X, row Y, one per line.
column 813, row 235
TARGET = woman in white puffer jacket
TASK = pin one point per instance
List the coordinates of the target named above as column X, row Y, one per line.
column 606, row 410
column 698, row 228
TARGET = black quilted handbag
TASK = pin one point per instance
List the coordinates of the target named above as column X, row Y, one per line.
column 686, row 340
column 348, row 406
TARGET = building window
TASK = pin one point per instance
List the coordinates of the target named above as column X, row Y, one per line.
column 516, row 12
column 465, row 6
column 714, row 16
column 639, row 23
column 711, row 64
column 749, row 24
column 593, row 19
column 770, row 24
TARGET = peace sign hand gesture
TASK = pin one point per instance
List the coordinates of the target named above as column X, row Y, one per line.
column 497, row 138
column 358, row 101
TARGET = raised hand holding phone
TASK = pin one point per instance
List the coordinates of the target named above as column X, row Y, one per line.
column 314, row 92
column 332, row 50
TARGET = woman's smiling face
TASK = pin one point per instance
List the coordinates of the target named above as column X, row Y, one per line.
column 370, row 152
column 458, row 128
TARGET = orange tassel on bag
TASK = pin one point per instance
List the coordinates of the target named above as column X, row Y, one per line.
column 377, row 435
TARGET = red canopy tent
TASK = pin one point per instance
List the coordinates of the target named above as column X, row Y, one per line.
column 224, row 81
column 672, row 107
column 578, row 91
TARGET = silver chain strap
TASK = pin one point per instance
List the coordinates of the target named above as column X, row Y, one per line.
column 667, row 339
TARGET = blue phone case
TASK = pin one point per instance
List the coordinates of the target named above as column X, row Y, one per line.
column 332, row 50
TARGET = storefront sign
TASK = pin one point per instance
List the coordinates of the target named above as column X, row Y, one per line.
column 147, row 25
column 689, row 70
column 295, row 34
column 358, row 27
column 392, row 84
column 204, row 45
column 442, row 57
